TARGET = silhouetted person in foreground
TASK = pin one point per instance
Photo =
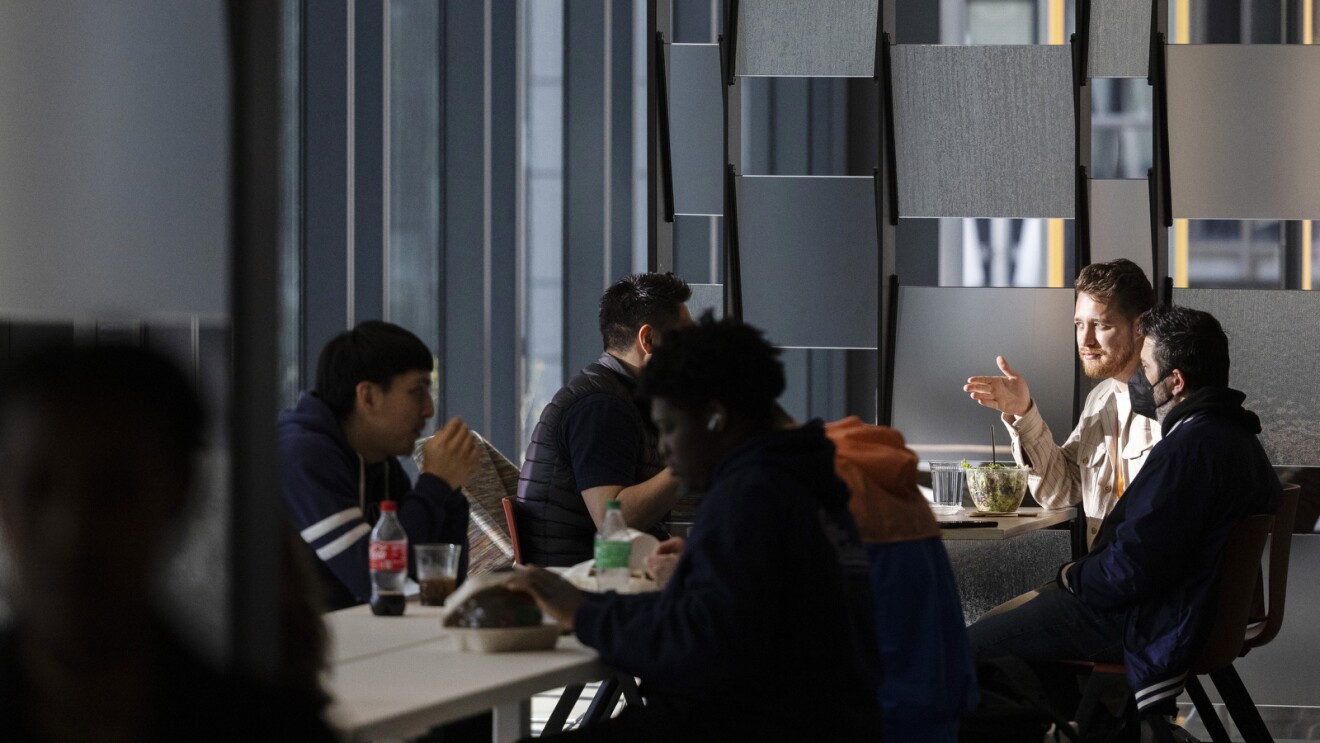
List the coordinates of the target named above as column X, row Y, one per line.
column 96, row 467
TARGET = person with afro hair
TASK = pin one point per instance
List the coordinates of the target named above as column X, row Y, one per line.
column 767, row 611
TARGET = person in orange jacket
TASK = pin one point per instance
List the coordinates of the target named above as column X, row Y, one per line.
column 930, row 680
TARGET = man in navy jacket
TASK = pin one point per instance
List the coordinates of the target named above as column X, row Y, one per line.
column 339, row 447
column 1145, row 595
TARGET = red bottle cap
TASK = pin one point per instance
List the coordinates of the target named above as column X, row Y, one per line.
column 388, row 506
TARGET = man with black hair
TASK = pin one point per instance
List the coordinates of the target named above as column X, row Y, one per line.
column 594, row 442
column 768, row 610
column 1145, row 593
column 339, row 447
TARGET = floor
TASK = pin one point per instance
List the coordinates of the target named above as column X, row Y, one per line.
column 1286, row 724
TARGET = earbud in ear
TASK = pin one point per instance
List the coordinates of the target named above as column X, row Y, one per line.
column 713, row 424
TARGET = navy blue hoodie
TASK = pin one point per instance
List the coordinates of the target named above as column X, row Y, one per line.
column 1157, row 558
column 333, row 498
column 764, row 631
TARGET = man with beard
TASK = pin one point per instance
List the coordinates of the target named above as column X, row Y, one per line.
column 1145, row 595
column 593, row 443
column 1110, row 443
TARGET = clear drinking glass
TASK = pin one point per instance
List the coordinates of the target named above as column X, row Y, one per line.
column 947, row 479
column 437, row 571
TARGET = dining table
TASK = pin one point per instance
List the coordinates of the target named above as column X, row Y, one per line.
column 398, row 677
column 968, row 523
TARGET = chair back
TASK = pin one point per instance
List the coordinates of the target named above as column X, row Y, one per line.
column 510, row 518
column 1237, row 585
column 1280, row 547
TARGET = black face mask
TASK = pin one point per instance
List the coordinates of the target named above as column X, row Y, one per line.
column 1143, row 395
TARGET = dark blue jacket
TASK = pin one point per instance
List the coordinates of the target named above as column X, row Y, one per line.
column 333, row 499
column 1158, row 554
column 764, row 631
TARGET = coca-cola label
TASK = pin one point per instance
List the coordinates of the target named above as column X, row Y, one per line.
column 388, row 555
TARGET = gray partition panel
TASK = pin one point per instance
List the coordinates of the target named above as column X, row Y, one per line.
column 1120, row 38
column 809, row 259
column 706, row 297
column 114, row 148
column 946, row 335
column 984, row 131
column 1272, row 337
column 807, row 38
column 1120, row 222
column 696, row 128
column 1242, row 121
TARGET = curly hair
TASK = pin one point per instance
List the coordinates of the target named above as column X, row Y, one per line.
column 1119, row 282
column 640, row 299
column 716, row 360
column 1191, row 341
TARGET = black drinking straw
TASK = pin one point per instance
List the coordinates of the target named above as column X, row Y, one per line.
column 993, row 459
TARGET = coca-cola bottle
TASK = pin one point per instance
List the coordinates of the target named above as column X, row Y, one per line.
column 388, row 554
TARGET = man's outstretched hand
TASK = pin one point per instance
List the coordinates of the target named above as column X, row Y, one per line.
column 1007, row 394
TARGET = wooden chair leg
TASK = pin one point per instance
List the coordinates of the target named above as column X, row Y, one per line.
column 1240, row 707
column 1206, row 710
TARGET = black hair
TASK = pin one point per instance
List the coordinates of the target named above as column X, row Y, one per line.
column 640, row 299
column 1191, row 341
column 374, row 352
column 113, row 377
column 716, row 360
column 1120, row 283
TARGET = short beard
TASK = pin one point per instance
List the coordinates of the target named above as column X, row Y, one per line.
column 1107, row 366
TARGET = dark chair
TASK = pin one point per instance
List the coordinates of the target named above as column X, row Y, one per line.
column 1230, row 641
column 510, row 519
column 1237, row 626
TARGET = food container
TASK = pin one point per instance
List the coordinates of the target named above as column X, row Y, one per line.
column 996, row 488
column 503, row 640
column 485, row 617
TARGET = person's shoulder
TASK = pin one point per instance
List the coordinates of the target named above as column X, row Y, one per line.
column 751, row 486
column 1101, row 393
column 600, row 404
column 310, row 419
column 311, row 444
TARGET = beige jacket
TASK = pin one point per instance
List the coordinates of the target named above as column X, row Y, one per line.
column 1082, row 470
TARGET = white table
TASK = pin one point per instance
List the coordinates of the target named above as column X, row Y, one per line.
column 401, row 676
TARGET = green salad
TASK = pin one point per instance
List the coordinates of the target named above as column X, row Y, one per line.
column 996, row 487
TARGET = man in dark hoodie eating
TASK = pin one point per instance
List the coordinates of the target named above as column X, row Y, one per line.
column 339, row 447
column 1145, row 593
column 767, row 612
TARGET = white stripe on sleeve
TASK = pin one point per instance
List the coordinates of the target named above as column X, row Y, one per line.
column 1175, row 681
column 329, row 524
column 344, row 542
column 1148, row 702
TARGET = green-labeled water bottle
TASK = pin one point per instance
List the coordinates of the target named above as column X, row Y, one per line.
column 613, row 550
